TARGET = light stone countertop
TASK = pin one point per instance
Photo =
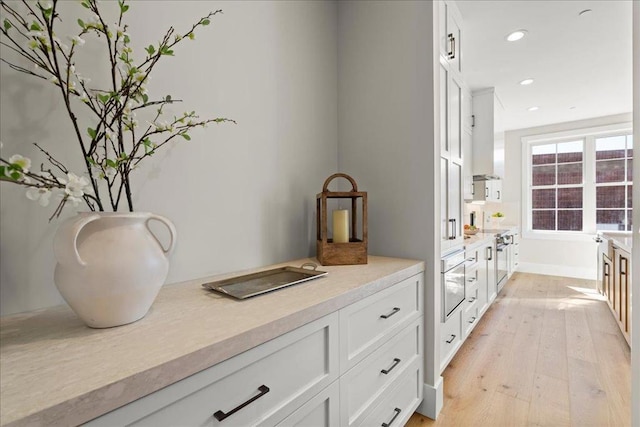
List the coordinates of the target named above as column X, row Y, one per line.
column 621, row 240
column 478, row 239
column 56, row 371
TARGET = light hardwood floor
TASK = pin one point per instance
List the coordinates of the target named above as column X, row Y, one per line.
column 547, row 353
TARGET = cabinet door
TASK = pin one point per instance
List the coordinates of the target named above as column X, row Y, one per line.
column 483, row 280
column 492, row 289
column 444, row 111
column 445, row 229
column 454, row 97
column 624, row 290
column 455, row 203
column 607, row 271
column 454, row 35
column 467, row 184
column 496, row 191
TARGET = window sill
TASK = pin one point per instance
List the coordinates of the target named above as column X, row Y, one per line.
column 566, row 236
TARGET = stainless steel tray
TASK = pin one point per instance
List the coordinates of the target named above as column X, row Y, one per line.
column 253, row 284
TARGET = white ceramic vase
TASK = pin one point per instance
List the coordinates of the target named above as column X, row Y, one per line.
column 110, row 265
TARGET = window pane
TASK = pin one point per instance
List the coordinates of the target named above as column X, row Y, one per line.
column 570, row 152
column 543, row 154
column 630, row 170
column 629, row 145
column 570, row 220
column 544, row 220
column 543, row 199
column 610, row 219
column 629, row 196
column 544, row 175
column 569, row 198
column 610, row 171
column 610, row 148
column 570, row 174
column 610, row 197
column 629, row 220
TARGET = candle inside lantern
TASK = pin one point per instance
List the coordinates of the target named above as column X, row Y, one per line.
column 340, row 226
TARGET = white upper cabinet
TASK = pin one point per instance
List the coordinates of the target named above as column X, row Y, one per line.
column 451, row 35
column 488, row 134
column 487, row 190
column 467, row 144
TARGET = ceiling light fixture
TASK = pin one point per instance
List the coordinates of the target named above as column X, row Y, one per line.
column 516, row 35
column 532, row 108
column 572, row 108
column 585, row 12
column 526, row 82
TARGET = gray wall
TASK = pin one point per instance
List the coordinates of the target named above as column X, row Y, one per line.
column 386, row 131
column 241, row 196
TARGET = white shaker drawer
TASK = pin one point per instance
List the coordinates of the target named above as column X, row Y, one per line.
column 258, row 387
column 321, row 411
column 450, row 338
column 402, row 399
column 363, row 385
column 367, row 324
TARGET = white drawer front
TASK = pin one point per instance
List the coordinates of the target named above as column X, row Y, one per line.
column 450, row 338
column 403, row 398
column 470, row 318
column 321, row 411
column 363, row 385
column 365, row 325
column 293, row 367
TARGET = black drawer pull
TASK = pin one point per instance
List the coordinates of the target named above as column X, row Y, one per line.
column 219, row 415
column 473, row 319
column 395, row 363
column 397, row 412
column 472, row 299
column 450, row 340
column 394, row 311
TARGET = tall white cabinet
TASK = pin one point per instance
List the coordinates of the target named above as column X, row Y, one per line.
column 451, row 155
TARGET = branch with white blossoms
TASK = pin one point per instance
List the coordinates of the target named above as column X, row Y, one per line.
column 114, row 143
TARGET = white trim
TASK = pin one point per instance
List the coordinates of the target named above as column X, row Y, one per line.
column 565, row 236
column 558, row 270
column 588, row 135
column 432, row 399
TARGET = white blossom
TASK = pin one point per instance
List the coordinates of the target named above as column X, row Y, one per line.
column 42, row 195
column 76, row 186
column 77, row 40
column 84, row 97
column 54, row 80
column 23, row 162
column 110, row 172
column 45, row 5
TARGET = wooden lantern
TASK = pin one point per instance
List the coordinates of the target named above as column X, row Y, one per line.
column 353, row 251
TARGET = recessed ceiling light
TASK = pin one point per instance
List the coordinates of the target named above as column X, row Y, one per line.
column 516, row 35
column 585, row 12
column 572, row 108
column 526, row 82
column 533, row 108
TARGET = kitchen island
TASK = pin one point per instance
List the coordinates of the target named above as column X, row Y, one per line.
column 56, row 371
column 614, row 277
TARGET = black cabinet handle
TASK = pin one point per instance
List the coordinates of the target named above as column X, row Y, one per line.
column 473, row 319
column 219, row 415
column 452, row 46
column 395, row 363
column 472, row 299
column 397, row 412
column 498, row 194
column 452, row 236
column 490, row 255
column 394, row 311
column 450, row 340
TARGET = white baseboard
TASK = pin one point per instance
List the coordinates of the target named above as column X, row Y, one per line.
column 558, row 270
column 433, row 399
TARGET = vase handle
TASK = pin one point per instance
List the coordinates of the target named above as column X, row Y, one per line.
column 172, row 232
column 65, row 246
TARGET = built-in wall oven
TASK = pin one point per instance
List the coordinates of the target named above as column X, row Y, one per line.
column 453, row 274
column 502, row 260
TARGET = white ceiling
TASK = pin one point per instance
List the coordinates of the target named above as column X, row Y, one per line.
column 577, row 61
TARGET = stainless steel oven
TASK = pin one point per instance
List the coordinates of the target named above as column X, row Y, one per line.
column 453, row 274
column 502, row 260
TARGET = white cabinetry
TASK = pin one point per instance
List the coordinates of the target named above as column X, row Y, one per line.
column 488, row 134
column 345, row 369
column 451, row 165
column 514, row 253
column 467, row 144
column 451, row 34
column 488, row 190
column 480, row 291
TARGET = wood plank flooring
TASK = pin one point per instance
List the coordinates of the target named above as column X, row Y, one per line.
column 547, row 353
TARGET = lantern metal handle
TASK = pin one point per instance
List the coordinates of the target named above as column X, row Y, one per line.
column 325, row 187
